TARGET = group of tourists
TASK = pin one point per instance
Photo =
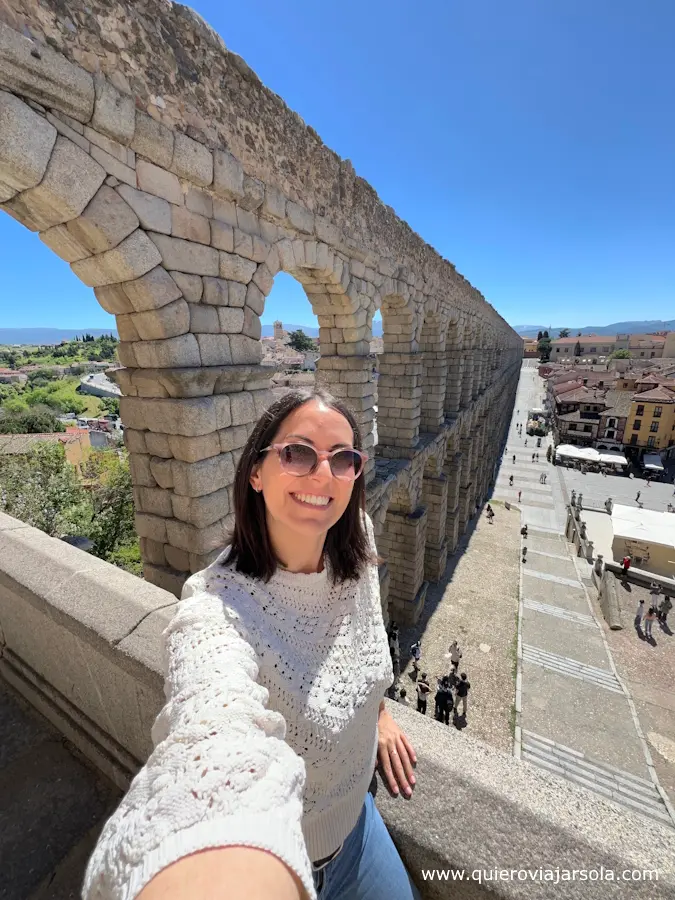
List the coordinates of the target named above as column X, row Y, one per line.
column 657, row 611
column 452, row 690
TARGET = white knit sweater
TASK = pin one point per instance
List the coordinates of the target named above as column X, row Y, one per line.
column 269, row 735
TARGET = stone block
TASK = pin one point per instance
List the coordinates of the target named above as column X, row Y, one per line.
column 134, row 441
column 168, row 321
column 245, row 349
column 165, row 578
column 174, row 352
column 113, row 148
column 299, row 217
column 191, row 286
column 159, row 182
column 192, row 160
column 152, row 551
column 193, row 449
column 114, row 112
column 190, row 225
column 135, row 256
column 113, row 166
column 203, row 319
column 191, row 417
column 237, row 294
column 62, row 242
column 228, row 175
column 26, row 144
column 200, row 478
column 197, row 540
column 254, row 193
column 222, row 236
column 235, row 268
column 233, row 438
column 263, row 279
column 251, row 325
column 198, row 201
column 36, row 71
column 242, row 408
column 201, row 511
column 274, row 203
column 152, row 527
column 139, row 468
column 153, row 140
column 158, row 444
column 214, row 349
column 126, row 355
column 261, row 400
column 177, row 559
column 243, row 244
column 186, row 256
column 231, row 320
column 153, row 213
column 225, row 211
column 221, row 406
column 161, row 471
column 216, row 292
column 105, row 223
column 255, row 299
column 153, row 290
column 126, row 329
column 154, row 501
column 69, row 183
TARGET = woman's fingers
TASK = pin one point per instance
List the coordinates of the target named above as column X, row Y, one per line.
column 402, row 767
column 386, row 770
column 410, row 749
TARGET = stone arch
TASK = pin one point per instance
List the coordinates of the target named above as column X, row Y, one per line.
column 434, row 371
column 454, row 364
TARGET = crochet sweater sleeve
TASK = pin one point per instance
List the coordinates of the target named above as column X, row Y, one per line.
column 221, row 773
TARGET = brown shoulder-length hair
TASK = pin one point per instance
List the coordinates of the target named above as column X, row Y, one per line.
column 347, row 548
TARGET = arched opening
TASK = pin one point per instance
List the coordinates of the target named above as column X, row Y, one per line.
column 434, row 378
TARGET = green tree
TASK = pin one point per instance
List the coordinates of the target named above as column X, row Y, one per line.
column 564, row 332
column 619, row 354
column 300, row 341
column 111, row 405
column 42, row 489
column 577, row 349
column 112, row 524
column 39, row 419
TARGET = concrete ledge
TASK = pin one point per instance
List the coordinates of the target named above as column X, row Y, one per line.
column 476, row 808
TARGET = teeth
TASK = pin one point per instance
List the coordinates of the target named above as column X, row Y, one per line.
column 315, row 501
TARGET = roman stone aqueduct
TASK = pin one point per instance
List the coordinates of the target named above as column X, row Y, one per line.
column 154, row 162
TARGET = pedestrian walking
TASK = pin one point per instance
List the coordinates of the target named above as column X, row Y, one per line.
column 463, row 688
column 455, row 654
column 423, row 691
column 510, row 480
column 537, row 457
column 664, row 609
column 637, row 497
column 526, row 442
column 639, row 612
column 403, row 697
column 625, row 562
column 490, row 514
column 444, row 701
column 514, row 459
column 533, row 457
column 649, row 621
column 519, row 495
column 395, row 662
column 654, row 592
column 416, row 652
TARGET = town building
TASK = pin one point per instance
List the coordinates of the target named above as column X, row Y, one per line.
column 75, row 443
column 645, row 535
column 279, row 333
column 596, row 346
column 651, row 421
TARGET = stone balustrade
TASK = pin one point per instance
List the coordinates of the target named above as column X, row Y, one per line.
column 81, row 640
column 153, row 161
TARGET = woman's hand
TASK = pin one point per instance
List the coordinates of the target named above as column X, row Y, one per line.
column 395, row 755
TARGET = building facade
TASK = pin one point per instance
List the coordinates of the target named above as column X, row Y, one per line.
column 651, row 420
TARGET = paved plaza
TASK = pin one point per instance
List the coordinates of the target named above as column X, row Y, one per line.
column 577, row 712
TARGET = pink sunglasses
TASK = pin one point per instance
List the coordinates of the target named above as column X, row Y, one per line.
column 301, row 459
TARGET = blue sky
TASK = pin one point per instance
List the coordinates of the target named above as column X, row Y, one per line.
column 532, row 143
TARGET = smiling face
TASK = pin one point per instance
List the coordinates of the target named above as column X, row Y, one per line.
column 307, row 504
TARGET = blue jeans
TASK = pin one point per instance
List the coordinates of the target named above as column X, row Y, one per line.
column 368, row 867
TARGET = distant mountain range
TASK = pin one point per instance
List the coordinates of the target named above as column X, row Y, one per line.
column 56, row 335
column 644, row 327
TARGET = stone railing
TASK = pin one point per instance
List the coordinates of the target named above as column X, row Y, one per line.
column 81, row 640
column 154, row 162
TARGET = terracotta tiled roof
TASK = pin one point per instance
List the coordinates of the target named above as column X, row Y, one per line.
column 23, row 443
column 660, row 394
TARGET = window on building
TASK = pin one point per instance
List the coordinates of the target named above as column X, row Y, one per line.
column 652, row 353
column 642, row 353
column 567, row 349
column 654, row 426
column 651, row 441
column 572, row 426
column 625, row 384
column 593, row 350
column 657, row 412
column 557, row 349
column 637, row 424
column 610, row 434
column 640, row 410
column 587, row 408
column 605, row 349
column 633, row 439
column 601, row 384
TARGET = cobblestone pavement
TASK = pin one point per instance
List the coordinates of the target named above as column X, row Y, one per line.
column 577, row 713
column 476, row 603
column 597, row 488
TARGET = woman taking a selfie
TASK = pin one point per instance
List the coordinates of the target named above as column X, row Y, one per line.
column 277, row 663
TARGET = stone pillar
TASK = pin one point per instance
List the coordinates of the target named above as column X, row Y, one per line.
column 453, row 386
column 435, row 373
column 467, row 378
column 350, row 379
column 403, row 545
column 435, row 498
column 465, row 486
column 453, row 473
column 399, row 395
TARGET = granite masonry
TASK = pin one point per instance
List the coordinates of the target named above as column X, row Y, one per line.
column 154, row 162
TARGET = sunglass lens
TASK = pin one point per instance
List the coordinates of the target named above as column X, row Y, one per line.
column 346, row 464
column 298, row 459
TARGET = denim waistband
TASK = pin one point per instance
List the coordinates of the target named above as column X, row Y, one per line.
column 320, row 864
